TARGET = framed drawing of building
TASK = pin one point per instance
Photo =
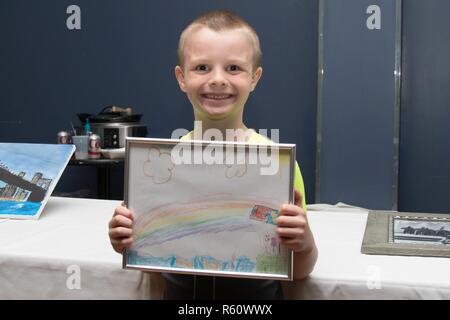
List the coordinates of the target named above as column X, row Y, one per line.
column 208, row 207
column 28, row 174
column 407, row 233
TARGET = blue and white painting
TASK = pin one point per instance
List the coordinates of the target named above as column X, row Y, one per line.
column 28, row 175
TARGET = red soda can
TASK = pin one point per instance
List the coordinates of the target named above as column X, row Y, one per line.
column 94, row 146
column 64, row 137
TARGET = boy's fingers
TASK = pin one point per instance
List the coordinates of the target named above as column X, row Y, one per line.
column 121, row 243
column 291, row 221
column 125, row 241
column 120, row 232
column 117, row 247
column 122, row 211
column 298, row 198
column 291, row 210
column 290, row 233
column 120, row 221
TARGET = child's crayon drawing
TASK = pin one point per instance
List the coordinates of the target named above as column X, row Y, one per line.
column 192, row 218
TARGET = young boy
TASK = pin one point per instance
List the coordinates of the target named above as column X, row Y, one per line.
column 219, row 65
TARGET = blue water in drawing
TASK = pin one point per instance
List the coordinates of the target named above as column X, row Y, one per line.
column 240, row 264
column 24, row 208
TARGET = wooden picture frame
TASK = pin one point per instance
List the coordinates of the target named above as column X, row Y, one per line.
column 207, row 217
column 407, row 234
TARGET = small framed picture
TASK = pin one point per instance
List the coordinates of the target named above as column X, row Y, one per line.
column 29, row 173
column 208, row 207
column 401, row 233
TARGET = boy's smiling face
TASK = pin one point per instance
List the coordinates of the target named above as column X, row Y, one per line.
column 218, row 74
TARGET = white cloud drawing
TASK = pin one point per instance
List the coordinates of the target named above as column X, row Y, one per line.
column 158, row 166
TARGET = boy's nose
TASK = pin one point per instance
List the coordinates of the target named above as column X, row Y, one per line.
column 218, row 79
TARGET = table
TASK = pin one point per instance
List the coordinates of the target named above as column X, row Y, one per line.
column 343, row 272
column 66, row 254
column 103, row 167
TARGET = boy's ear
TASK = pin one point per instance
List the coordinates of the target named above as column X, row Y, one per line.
column 180, row 78
column 256, row 76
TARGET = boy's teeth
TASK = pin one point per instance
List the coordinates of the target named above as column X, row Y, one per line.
column 211, row 96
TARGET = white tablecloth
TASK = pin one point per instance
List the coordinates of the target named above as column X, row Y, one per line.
column 343, row 272
column 42, row 260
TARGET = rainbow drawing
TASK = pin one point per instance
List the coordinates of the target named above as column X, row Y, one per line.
column 185, row 222
column 212, row 214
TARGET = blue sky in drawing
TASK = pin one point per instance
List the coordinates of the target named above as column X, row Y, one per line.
column 30, row 158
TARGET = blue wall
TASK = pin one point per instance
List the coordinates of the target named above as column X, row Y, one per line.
column 381, row 148
column 424, row 180
column 125, row 54
column 126, row 51
column 357, row 107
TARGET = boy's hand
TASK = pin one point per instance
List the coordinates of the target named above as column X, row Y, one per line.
column 293, row 228
column 121, row 229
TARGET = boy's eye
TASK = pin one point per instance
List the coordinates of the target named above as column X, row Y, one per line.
column 233, row 68
column 201, row 67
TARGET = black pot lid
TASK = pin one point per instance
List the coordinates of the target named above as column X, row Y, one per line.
column 109, row 117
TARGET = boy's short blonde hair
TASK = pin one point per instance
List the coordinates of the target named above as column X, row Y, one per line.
column 220, row 20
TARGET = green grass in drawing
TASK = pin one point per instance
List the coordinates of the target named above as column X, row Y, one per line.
column 267, row 263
